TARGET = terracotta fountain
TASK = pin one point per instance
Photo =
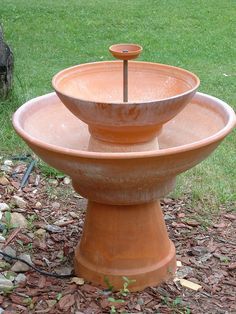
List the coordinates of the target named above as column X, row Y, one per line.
column 131, row 128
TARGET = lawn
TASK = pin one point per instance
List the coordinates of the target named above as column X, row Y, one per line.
column 47, row 36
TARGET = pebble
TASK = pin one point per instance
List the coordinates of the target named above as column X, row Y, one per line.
column 20, row 278
column 4, row 181
column 64, row 270
column 2, row 227
column 40, row 233
column 55, row 205
column 5, row 284
column 2, row 239
column 18, row 220
column 22, row 267
column 8, row 163
column 38, row 205
column 53, row 228
column 19, row 201
column 53, row 182
column 66, row 180
column 10, row 251
column 6, row 168
column 4, row 207
column 74, row 215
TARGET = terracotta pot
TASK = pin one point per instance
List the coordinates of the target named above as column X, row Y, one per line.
column 125, row 51
column 124, row 232
column 93, row 93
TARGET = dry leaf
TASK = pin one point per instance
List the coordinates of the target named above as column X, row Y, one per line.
column 77, row 280
column 188, row 284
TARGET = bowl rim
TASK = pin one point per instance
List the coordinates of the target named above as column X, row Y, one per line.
column 143, row 63
column 127, row 155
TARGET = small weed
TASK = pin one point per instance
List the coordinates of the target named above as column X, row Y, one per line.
column 8, row 224
column 30, row 220
column 27, row 247
column 59, row 296
column 107, row 282
column 124, row 291
column 113, row 300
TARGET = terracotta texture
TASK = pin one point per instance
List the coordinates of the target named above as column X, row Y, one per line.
column 124, row 232
column 125, row 51
column 94, row 92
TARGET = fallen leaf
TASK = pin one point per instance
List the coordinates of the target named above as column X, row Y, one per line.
column 188, row 284
column 77, row 280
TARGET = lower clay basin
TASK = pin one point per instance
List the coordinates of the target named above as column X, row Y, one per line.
column 62, row 141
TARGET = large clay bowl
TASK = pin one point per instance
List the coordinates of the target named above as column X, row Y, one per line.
column 61, row 140
column 93, row 92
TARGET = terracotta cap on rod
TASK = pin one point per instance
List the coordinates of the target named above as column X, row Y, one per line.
column 125, row 51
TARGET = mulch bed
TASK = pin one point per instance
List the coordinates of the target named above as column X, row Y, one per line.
column 207, row 254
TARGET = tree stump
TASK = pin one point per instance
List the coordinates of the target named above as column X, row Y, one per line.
column 6, row 67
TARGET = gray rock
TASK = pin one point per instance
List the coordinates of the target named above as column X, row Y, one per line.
column 19, row 267
column 55, row 205
column 19, row 201
column 53, row 228
column 10, row 251
column 8, row 163
column 5, row 284
column 20, row 278
column 6, row 169
column 2, row 239
column 66, row 180
column 18, row 220
column 4, row 180
column 4, row 207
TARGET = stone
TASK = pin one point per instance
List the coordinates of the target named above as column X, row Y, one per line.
column 10, row 251
column 5, row 284
column 53, row 228
column 55, row 205
column 20, row 278
column 4, row 181
column 8, row 163
column 18, row 220
column 74, row 215
column 2, row 239
column 64, row 270
column 6, row 169
column 40, row 233
column 38, row 205
column 4, row 207
column 66, row 180
column 19, row 266
column 19, row 201
column 53, row 182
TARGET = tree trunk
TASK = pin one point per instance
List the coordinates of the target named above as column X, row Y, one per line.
column 6, row 67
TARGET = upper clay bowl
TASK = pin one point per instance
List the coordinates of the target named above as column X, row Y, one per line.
column 125, row 51
column 61, row 140
column 94, row 91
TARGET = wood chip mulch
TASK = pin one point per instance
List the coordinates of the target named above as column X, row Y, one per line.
column 55, row 214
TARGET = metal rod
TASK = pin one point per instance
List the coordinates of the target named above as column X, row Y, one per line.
column 125, row 80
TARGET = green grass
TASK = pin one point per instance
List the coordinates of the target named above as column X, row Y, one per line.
column 47, row 36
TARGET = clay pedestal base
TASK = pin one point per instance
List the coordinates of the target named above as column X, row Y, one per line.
column 129, row 241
